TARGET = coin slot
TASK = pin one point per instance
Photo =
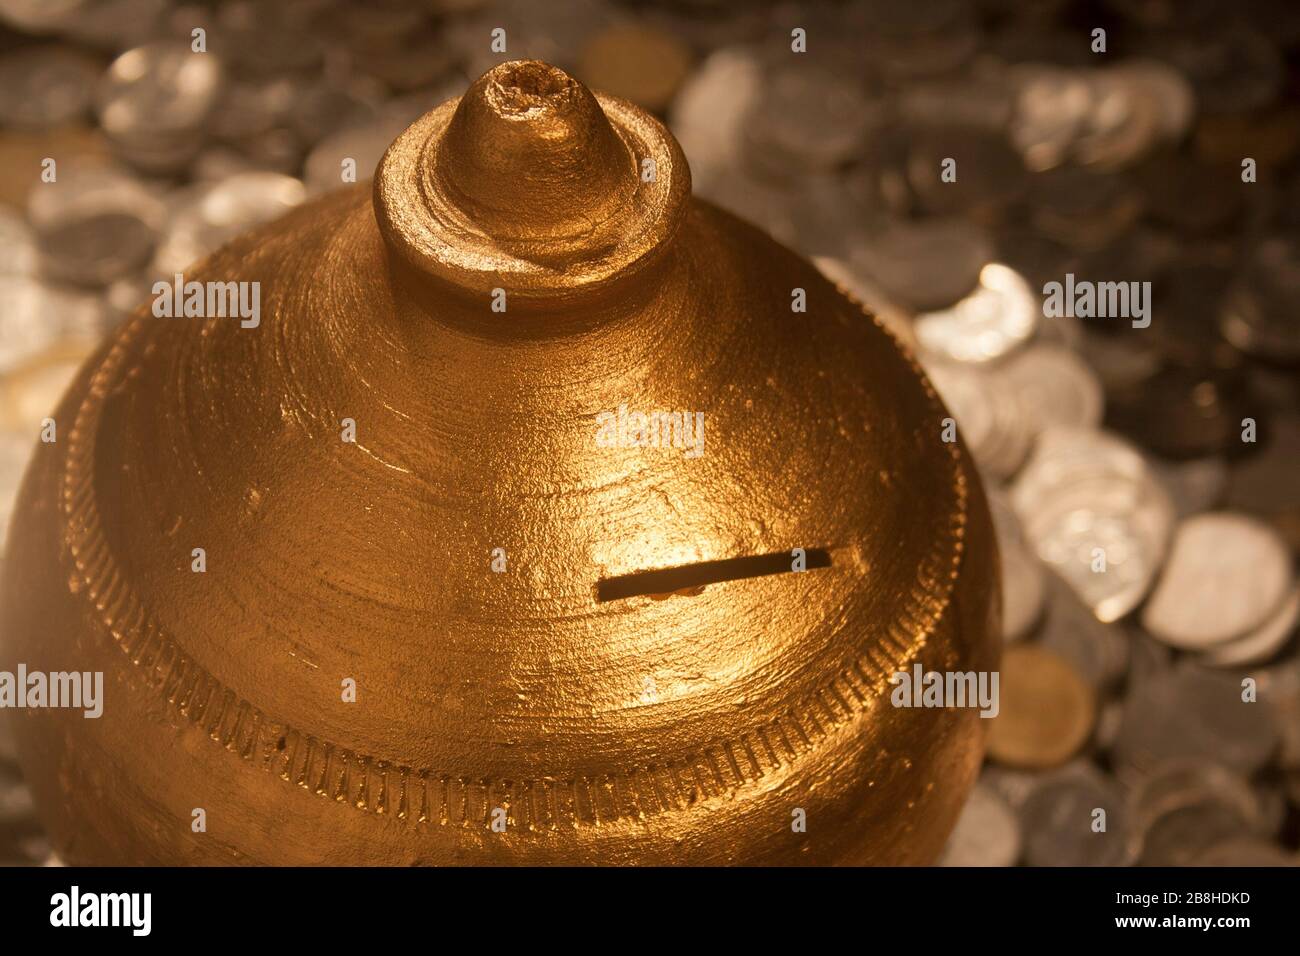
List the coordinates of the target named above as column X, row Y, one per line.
column 691, row 579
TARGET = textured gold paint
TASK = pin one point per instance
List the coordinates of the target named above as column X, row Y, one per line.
column 683, row 729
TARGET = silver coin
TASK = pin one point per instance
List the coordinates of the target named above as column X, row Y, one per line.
column 987, row 832
column 236, row 204
column 212, row 165
column 807, row 119
column 1098, row 651
column 1190, row 713
column 710, row 110
column 1023, row 578
column 1063, row 827
column 1226, row 575
column 996, row 318
column 251, row 108
column 1180, row 781
column 1173, row 94
column 82, row 315
column 926, row 265
column 1262, row 643
column 811, row 214
column 1051, row 108
column 36, row 315
column 982, row 101
column 328, row 106
column 1094, row 512
column 153, row 101
column 364, row 145
column 1014, row 784
column 1082, row 208
column 1121, row 125
column 1054, row 387
column 94, row 225
column 992, row 423
column 163, row 156
column 126, row 294
column 218, row 212
column 158, row 89
column 1185, row 807
column 1180, row 835
column 876, row 184
column 45, row 86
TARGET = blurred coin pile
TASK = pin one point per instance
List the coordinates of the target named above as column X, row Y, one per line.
column 1148, row 550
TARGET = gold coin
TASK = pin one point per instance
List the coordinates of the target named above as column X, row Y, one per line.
column 1046, row 710
column 22, row 152
column 30, row 392
column 637, row 63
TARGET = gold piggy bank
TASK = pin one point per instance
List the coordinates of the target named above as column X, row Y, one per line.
column 527, row 524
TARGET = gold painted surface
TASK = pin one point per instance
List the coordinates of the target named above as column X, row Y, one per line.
column 477, row 430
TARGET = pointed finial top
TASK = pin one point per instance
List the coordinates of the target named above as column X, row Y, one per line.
column 533, row 184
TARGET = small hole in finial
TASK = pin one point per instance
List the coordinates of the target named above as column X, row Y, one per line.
column 520, row 87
